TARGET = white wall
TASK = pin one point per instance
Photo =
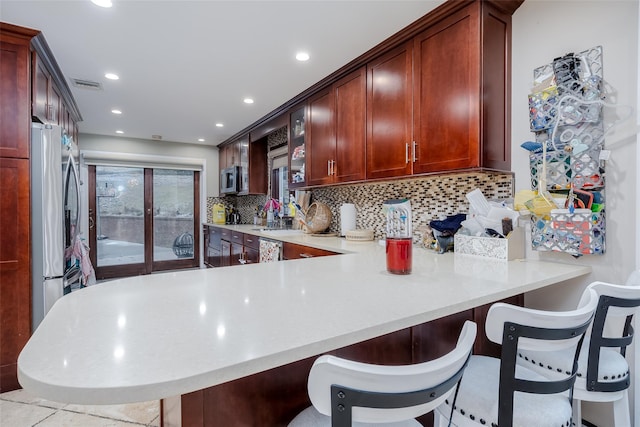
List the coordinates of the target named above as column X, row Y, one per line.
column 90, row 142
column 543, row 30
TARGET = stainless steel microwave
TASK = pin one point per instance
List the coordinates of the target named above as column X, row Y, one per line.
column 230, row 180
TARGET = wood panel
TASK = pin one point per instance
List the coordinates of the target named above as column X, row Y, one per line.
column 15, row 267
column 446, row 94
column 276, row 396
column 350, row 97
column 295, row 251
column 389, row 112
column 321, row 138
column 496, row 89
column 15, row 111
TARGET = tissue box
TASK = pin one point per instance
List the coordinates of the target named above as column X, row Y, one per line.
column 492, row 247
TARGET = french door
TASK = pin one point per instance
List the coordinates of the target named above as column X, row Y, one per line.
column 143, row 220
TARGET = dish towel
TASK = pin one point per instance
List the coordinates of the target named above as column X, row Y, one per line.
column 81, row 252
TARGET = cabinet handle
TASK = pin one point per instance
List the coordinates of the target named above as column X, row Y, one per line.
column 328, row 167
column 406, row 152
column 306, row 256
column 414, row 151
column 333, row 167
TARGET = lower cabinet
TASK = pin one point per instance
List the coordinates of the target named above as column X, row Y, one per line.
column 235, row 402
column 295, row 251
column 226, row 247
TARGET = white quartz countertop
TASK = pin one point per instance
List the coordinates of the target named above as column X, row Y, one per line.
column 161, row 335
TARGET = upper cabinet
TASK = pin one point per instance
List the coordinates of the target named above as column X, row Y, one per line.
column 297, row 149
column 446, row 94
column 251, row 157
column 336, row 132
column 434, row 97
column 51, row 99
column 431, row 108
column 389, row 112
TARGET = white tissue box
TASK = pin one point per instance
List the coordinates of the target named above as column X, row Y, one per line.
column 510, row 248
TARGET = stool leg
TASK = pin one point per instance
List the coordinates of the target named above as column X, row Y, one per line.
column 577, row 413
column 621, row 415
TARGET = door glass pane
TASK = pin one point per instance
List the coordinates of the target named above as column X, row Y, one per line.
column 120, row 215
column 172, row 214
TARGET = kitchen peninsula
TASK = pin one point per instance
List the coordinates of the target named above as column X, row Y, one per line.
column 194, row 333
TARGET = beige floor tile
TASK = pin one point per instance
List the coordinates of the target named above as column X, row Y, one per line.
column 73, row 419
column 24, row 396
column 20, row 409
column 17, row 414
column 143, row 413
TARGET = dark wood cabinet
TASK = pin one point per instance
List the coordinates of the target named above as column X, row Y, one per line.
column 213, row 246
column 252, row 159
column 15, row 267
column 389, row 113
column 234, row 402
column 439, row 102
column 297, row 147
column 15, row 114
column 15, row 193
column 446, row 97
column 295, row 251
column 336, row 132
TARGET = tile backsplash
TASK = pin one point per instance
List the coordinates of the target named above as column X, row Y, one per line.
column 432, row 197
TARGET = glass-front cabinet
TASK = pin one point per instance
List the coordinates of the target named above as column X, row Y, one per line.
column 297, row 148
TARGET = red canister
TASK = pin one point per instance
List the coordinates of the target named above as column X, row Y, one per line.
column 399, row 254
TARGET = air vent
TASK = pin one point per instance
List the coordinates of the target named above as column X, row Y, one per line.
column 86, row 84
column 156, row 137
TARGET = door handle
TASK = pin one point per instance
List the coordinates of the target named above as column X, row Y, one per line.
column 91, row 220
column 406, row 152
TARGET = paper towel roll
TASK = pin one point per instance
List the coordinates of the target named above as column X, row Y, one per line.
column 347, row 218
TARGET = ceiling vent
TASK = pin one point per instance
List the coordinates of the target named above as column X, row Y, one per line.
column 86, row 84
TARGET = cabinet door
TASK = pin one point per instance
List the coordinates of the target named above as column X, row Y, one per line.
column 243, row 161
column 251, row 255
column 15, row 269
column 446, row 101
column 236, row 254
column 389, row 133
column 297, row 149
column 40, row 95
column 321, row 139
column 350, row 95
column 225, row 257
column 15, row 110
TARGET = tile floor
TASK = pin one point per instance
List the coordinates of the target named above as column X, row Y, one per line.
column 19, row 409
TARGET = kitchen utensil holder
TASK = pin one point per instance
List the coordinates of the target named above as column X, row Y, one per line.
column 579, row 233
column 565, row 113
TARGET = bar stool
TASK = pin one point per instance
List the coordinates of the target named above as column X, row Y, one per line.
column 603, row 372
column 343, row 392
column 487, row 394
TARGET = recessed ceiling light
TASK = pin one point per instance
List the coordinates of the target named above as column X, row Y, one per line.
column 112, row 76
column 248, row 101
column 102, row 3
column 302, row 56
column 200, row 139
column 116, row 111
column 219, row 125
column 119, row 131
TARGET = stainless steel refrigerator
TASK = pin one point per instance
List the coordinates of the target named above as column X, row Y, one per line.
column 54, row 215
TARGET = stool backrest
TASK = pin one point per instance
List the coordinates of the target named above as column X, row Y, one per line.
column 518, row 328
column 611, row 328
column 352, row 391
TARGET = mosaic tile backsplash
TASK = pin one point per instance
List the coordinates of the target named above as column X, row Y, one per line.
column 432, row 197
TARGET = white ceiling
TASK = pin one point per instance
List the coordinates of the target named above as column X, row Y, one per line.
column 186, row 65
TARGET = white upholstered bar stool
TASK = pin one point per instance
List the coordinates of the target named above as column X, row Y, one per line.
column 603, row 372
column 345, row 393
column 496, row 392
